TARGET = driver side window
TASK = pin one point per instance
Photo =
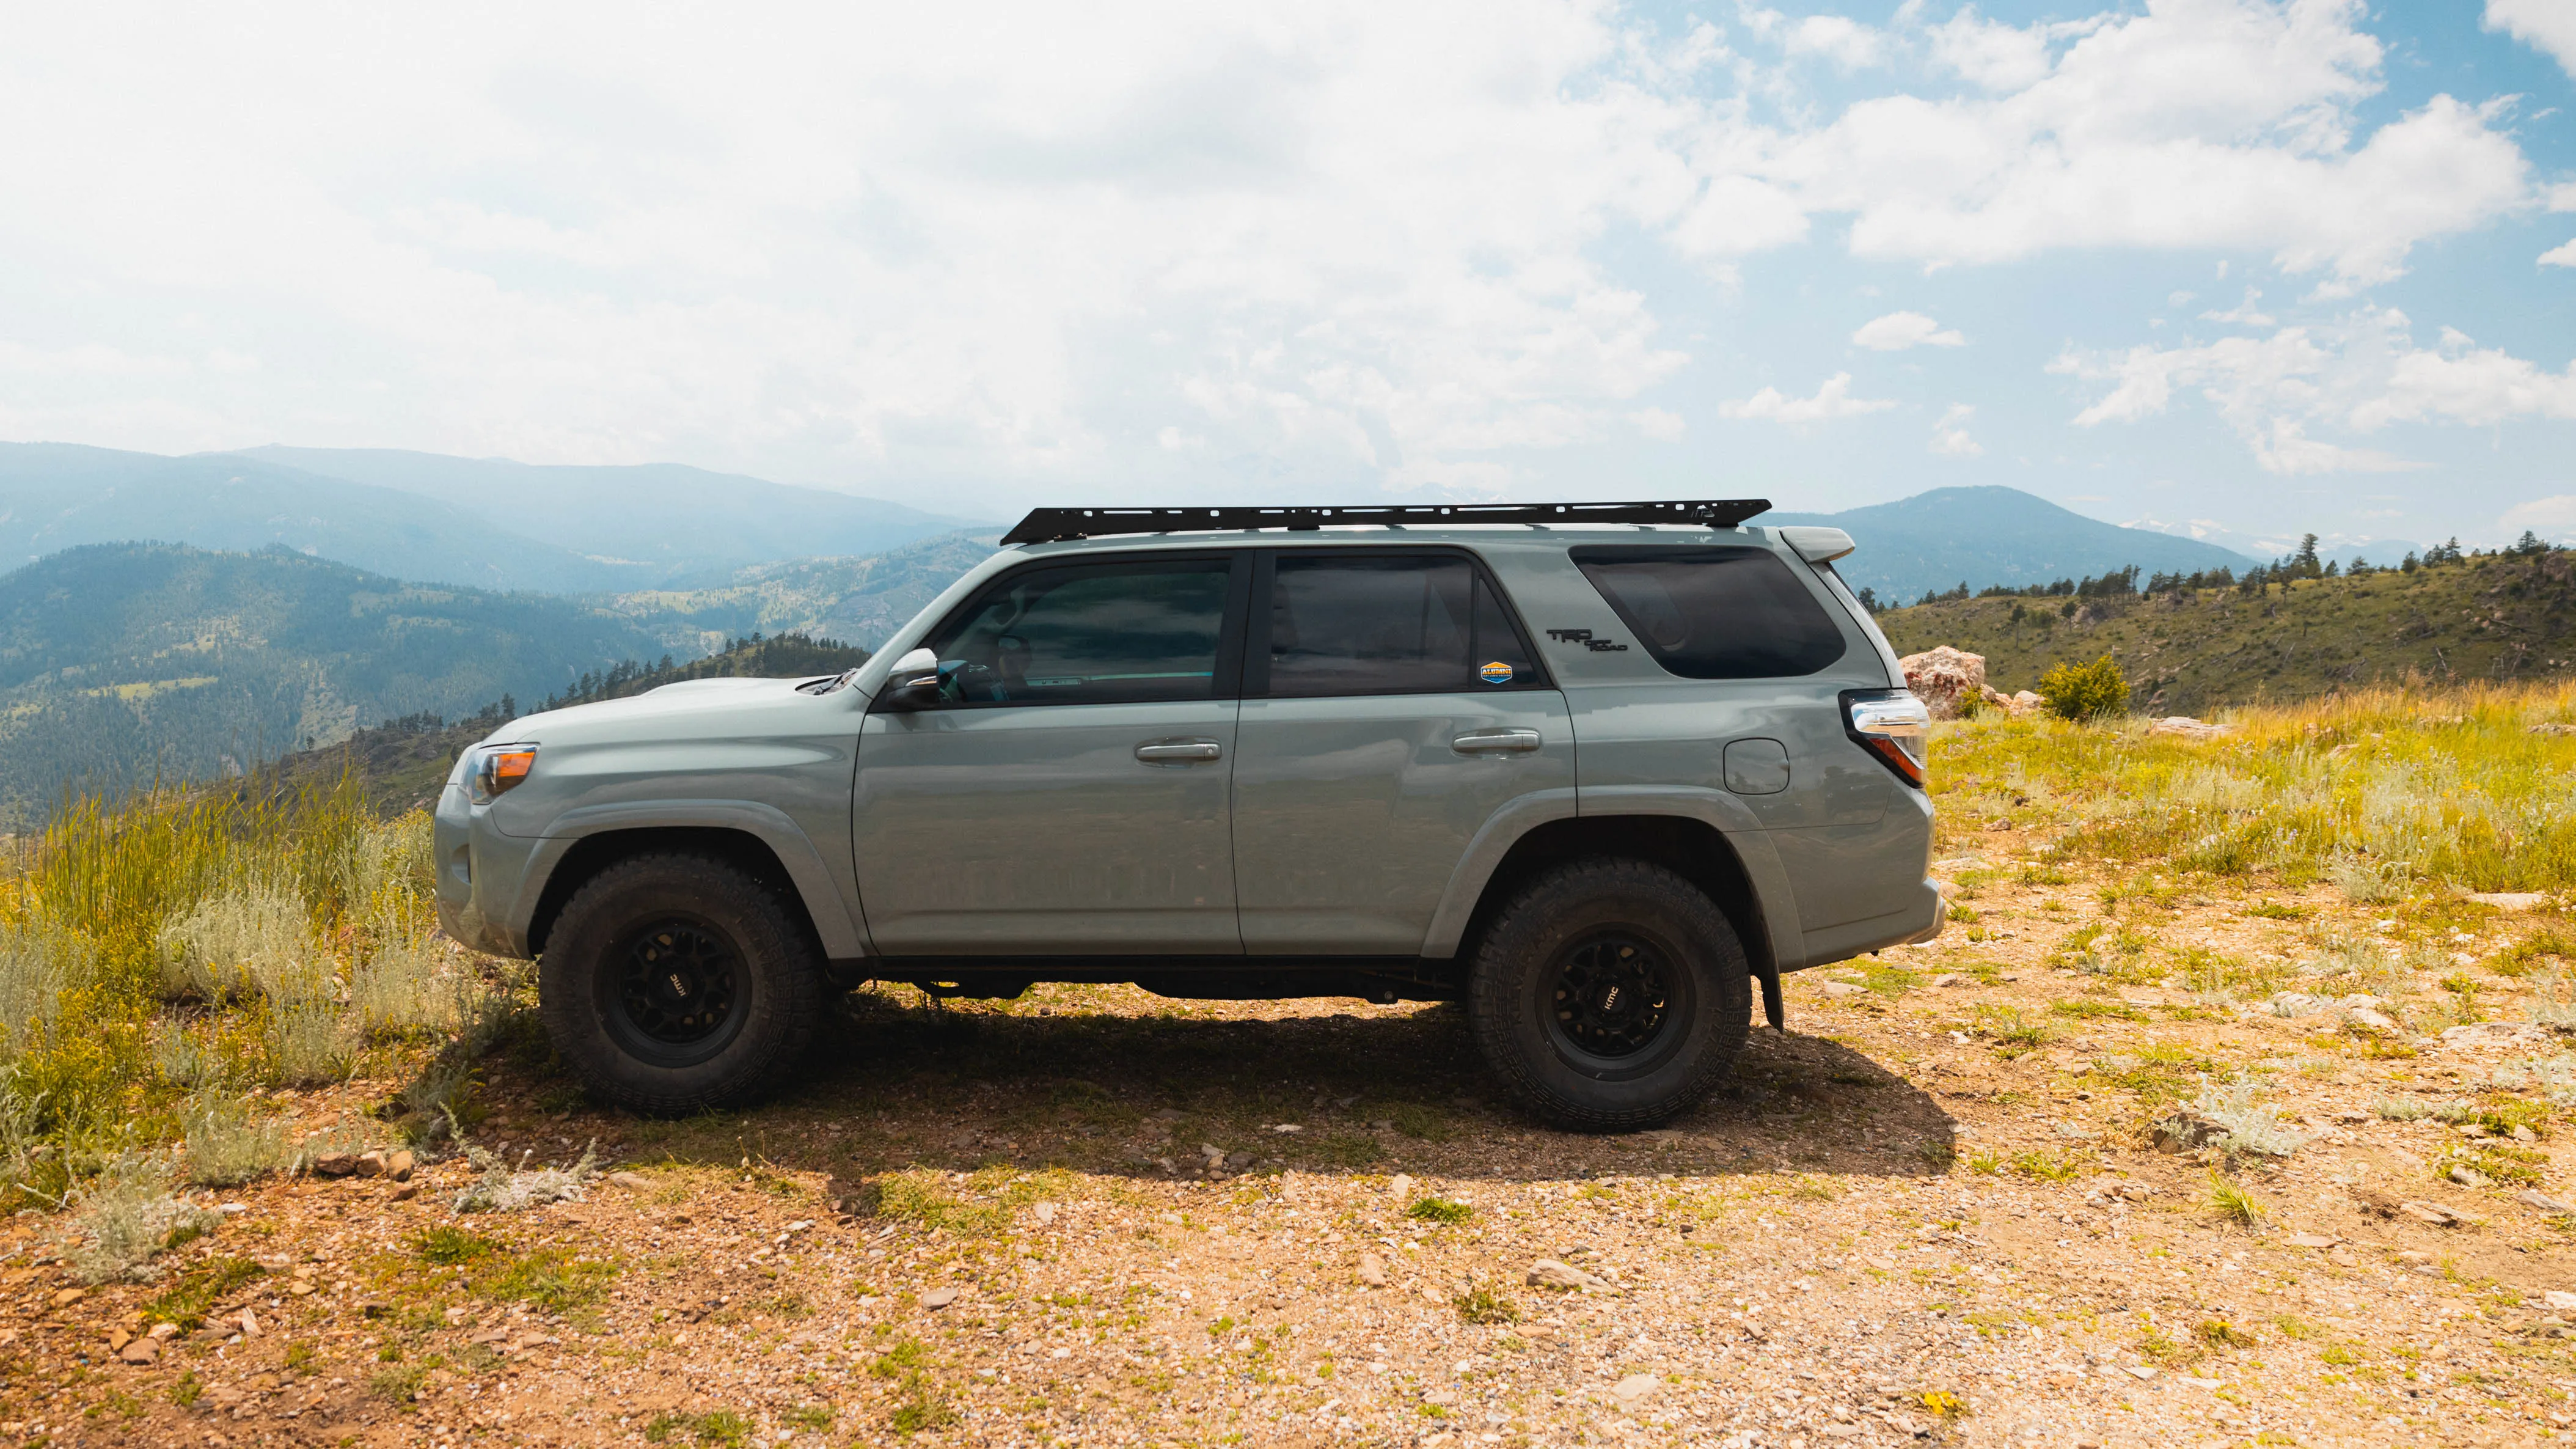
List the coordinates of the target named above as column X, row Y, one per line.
column 1130, row 632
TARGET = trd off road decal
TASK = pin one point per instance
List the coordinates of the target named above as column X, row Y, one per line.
column 1585, row 638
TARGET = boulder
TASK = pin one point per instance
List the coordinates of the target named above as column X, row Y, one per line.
column 2183, row 726
column 2026, row 704
column 1943, row 677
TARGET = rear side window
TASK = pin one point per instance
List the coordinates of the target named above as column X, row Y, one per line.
column 1715, row 613
column 1343, row 624
column 1110, row 633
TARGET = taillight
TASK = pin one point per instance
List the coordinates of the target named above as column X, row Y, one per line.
column 1892, row 725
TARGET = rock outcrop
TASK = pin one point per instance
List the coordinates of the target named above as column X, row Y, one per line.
column 1945, row 678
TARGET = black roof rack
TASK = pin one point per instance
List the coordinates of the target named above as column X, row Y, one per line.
column 1047, row 524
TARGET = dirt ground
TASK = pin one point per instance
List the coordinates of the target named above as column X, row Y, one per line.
column 1927, row 1212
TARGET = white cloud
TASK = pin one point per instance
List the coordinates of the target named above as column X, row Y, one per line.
column 1950, row 435
column 1832, row 400
column 2551, row 517
column 2465, row 383
column 2200, row 123
column 2244, row 314
column 1898, row 331
column 865, row 246
column 2560, row 256
column 2546, row 25
column 2363, row 372
column 1845, row 42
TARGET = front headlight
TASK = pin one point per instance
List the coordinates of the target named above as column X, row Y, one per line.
column 499, row 768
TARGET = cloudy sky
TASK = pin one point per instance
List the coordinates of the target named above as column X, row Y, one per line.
column 2271, row 266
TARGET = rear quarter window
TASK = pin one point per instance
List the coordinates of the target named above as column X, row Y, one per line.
column 1715, row 613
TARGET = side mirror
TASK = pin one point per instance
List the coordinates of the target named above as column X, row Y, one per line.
column 912, row 684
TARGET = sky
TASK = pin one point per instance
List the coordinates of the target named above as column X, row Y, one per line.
column 2232, row 266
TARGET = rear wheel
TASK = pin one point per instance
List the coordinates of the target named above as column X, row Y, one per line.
column 674, row 983
column 1610, row 994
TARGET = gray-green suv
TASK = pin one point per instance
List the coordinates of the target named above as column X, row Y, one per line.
column 1592, row 769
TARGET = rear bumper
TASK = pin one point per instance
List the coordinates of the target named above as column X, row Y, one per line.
column 1920, row 921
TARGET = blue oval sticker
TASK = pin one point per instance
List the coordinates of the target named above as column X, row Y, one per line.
column 1495, row 673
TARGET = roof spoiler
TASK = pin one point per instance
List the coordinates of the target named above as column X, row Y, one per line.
column 1044, row 525
column 1817, row 545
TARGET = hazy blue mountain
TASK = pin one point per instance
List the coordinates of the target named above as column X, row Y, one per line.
column 55, row 496
column 684, row 524
column 120, row 662
column 855, row 600
column 1992, row 535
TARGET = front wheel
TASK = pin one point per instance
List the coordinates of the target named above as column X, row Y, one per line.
column 675, row 983
column 1610, row 994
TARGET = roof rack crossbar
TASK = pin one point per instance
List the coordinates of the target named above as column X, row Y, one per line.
column 1045, row 525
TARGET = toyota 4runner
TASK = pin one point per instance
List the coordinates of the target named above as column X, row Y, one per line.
column 1594, row 770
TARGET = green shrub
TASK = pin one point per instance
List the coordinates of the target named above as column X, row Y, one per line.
column 2082, row 692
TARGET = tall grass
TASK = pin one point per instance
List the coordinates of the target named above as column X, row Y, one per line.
column 2384, row 791
column 183, row 940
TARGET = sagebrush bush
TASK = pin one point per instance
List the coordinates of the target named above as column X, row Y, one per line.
column 309, row 1040
column 127, row 1215
column 37, row 966
column 254, row 939
column 2081, row 692
column 408, row 983
column 226, row 1144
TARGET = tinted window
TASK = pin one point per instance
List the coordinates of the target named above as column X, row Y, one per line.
column 1716, row 613
column 1091, row 634
column 1390, row 624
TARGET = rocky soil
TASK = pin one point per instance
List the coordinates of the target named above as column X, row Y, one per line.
column 1935, row 1210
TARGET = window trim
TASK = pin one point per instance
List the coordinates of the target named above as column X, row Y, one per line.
column 1614, row 553
column 1256, row 640
column 1227, row 680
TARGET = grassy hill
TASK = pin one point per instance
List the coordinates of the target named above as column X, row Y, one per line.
column 2490, row 617
column 120, row 663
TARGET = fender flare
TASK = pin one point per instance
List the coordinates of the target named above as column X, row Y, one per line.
column 1722, row 812
column 840, row 936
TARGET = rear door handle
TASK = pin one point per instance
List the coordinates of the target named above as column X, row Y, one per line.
column 1179, row 752
column 1496, row 742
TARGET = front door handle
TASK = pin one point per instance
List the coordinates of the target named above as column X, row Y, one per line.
column 1496, row 742
column 1179, row 752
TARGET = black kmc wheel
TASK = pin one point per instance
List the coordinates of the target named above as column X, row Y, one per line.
column 674, row 983
column 1610, row 994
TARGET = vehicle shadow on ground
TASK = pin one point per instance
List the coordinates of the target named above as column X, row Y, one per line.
column 1147, row 1093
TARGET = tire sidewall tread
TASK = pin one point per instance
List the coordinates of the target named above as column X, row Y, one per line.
column 1525, row 937
column 778, row 953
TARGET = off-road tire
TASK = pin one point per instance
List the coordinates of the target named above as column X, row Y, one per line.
column 1586, row 922
column 651, row 920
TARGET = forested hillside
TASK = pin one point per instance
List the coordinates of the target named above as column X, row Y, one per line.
column 857, row 599
column 120, row 663
column 2501, row 616
column 401, row 763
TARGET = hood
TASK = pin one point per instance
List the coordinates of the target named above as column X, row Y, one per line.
column 689, row 708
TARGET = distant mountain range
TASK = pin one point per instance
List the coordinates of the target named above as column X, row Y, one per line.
column 293, row 596
column 120, row 663
column 1983, row 536
column 481, row 523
